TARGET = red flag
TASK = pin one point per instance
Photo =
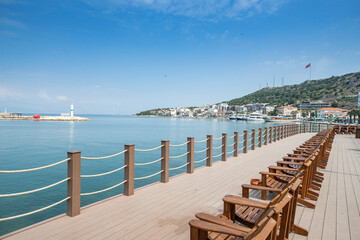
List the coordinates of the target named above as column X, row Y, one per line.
column 309, row 65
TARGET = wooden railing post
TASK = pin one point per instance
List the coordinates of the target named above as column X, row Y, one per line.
column 311, row 127
column 279, row 133
column 129, row 169
column 74, row 183
column 209, row 145
column 190, row 155
column 282, row 131
column 253, row 133
column 245, row 143
column 319, row 127
column 165, row 161
column 266, row 136
column 224, row 147
column 236, row 144
column 260, row 137
column 328, row 126
column 275, row 129
column 270, row 135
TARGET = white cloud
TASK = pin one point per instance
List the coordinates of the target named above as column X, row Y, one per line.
column 9, row 93
column 62, row 98
column 44, row 95
column 193, row 8
column 11, row 23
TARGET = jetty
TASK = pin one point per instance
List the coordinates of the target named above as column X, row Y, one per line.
column 162, row 210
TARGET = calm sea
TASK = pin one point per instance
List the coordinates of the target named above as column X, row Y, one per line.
column 29, row 144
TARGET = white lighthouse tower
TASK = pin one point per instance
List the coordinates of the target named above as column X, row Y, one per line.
column 72, row 110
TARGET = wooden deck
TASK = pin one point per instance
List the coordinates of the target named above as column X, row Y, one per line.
column 162, row 211
column 337, row 212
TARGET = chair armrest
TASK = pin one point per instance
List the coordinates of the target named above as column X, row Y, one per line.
column 289, row 163
column 212, row 227
column 282, row 168
column 244, row 201
column 262, row 188
column 276, row 174
column 224, row 222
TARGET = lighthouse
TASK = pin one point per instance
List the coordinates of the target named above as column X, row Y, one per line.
column 72, row 110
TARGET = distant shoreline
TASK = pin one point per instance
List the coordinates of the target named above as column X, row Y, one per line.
column 47, row 118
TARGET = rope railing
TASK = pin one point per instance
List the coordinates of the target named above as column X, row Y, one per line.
column 36, row 211
column 170, row 169
column 110, row 156
column 230, row 145
column 149, row 176
column 242, row 135
column 199, row 161
column 148, row 163
column 35, row 190
column 242, row 141
column 218, row 155
column 103, row 190
column 148, row 150
column 102, row 174
column 218, row 138
column 231, row 136
column 34, row 169
column 179, row 145
column 201, row 150
column 179, row 155
column 218, row 147
column 231, row 151
column 200, row 141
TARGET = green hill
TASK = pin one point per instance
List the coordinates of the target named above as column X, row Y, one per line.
column 337, row 90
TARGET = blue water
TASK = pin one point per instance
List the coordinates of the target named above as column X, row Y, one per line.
column 29, row 144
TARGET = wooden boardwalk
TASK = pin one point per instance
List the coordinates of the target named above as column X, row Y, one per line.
column 337, row 212
column 162, row 211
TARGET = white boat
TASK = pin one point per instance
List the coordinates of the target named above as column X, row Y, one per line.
column 233, row 117
column 255, row 117
column 281, row 120
column 241, row 117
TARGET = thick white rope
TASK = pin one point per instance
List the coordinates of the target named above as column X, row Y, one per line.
column 179, row 155
column 218, row 138
column 231, row 151
column 218, row 147
column 148, row 163
column 232, row 136
column 242, row 135
column 148, row 150
column 32, row 191
column 201, row 150
column 202, row 140
column 105, row 173
column 36, row 211
column 178, row 145
column 34, row 169
column 139, row 178
column 231, row 144
column 106, row 189
column 170, row 169
column 218, row 155
column 199, row 161
column 242, row 141
column 110, row 156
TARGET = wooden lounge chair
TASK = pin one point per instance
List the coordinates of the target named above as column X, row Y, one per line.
column 283, row 208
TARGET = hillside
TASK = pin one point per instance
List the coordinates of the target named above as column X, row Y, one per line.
column 335, row 90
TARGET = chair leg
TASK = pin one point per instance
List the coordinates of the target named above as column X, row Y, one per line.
column 306, row 203
column 299, row 230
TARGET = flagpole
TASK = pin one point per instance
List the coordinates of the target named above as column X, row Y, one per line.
column 310, row 72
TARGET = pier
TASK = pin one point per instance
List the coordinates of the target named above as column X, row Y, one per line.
column 162, row 210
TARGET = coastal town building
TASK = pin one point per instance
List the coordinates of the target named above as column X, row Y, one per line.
column 286, row 110
column 332, row 113
column 313, row 105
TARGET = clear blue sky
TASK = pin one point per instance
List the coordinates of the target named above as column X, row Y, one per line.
column 111, row 56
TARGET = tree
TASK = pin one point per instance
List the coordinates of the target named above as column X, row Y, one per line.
column 335, row 104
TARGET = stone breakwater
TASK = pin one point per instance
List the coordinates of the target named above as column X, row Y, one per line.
column 45, row 118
